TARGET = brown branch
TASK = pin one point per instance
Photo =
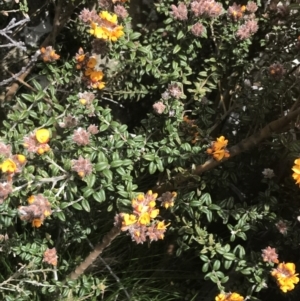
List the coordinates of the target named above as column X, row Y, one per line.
column 107, row 239
column 244, row 145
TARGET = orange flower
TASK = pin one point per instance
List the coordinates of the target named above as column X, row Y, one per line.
column 36, row 223
column 31, row 199
column 218, row 149
column 91, row 62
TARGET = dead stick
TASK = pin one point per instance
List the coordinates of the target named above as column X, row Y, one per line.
column 107, row 239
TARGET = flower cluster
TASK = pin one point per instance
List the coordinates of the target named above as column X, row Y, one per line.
column 81, row 137
column 48, row 54
column 11, row 165
column 167, row 199
column 180, row 12
column 218, row 149
column 269, row 255
column 296, row 170
column 38, row 209
column 68, row 122
column 82, row 166
column 198, row 30
column 285, row 275
column 142, row 223
column 92, row 73
column 236, row 12
column 199, row 8
column 37, row 142
column 247, row 30
column 229, row 297
column 103, row 25
column 190, row 127
column 50, row 256
column 268, row 173
column 276, row 71
column 159, row 107
column 206, row 8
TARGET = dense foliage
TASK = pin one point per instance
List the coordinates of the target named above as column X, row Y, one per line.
column 161, row 136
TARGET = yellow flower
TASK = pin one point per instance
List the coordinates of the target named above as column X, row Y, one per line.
column 8, row 166
column 144, row 218
column 98, row 85
column 82, row 101
column 140, row 198
column 97, row 31
column 43, row 148
column 285, row 275
column 296, row 170
column 229, row 297
column 42, row 135
column 112, row 18
column 129, row 219
column 36, row 223
column 152, row 204
column 161, row 226
column 21, row 159
column 47, row 213
column 154, row 213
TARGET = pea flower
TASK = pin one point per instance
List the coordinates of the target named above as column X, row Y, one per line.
column 38, row 142
column 269, row 255
column 218, row 149
column 38, row 209
column 142, row 224
column 229, row 297
column 50, row 256
column 296, row 170
column 285, row 275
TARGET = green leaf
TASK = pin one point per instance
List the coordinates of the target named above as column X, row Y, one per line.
column 229, row 256
column 77, row 206
column 101, row 166
column 152, row 168
column 108, row 174
column 176, row 49
column 149, row 157
column 103, row 127
column 99, row 196
column 159, row 165
column 217, row 265
column 205, row 267
column 205, row 198
column 61, row 216
column 134, row 35
column 86, row 206
column 90, row 180
column 87, row 192
column 116, row 163
column 180, row 35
